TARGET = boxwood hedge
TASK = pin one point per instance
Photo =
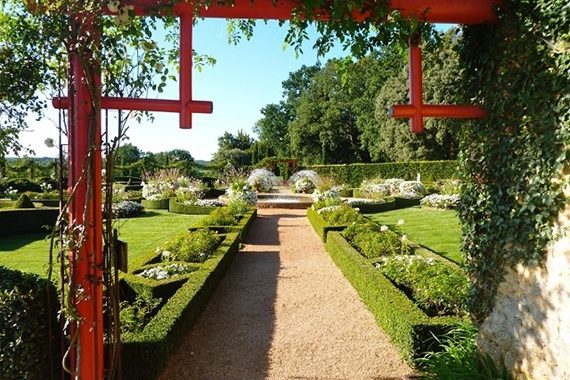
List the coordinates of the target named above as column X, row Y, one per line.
column 409, row 327
column 354, row 174
column 28, row 327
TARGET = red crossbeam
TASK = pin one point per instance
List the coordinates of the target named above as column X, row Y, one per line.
column 417, row 110
column 433, row 11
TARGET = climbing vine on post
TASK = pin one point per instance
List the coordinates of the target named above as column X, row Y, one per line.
column 512, row 162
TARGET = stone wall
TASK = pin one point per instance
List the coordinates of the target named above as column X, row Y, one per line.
column 529, row 329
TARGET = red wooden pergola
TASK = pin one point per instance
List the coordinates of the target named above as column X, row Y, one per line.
column 88, row 262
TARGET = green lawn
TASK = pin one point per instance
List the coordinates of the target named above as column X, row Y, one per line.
column 439, row 230
column 29, row 253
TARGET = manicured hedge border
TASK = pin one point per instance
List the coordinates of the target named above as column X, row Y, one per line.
column 180, row 208
column 26, row 221
column 144, row 354
column 161, row 204
column 243, row 226
column 354, row 174
column 409, row 327
column 371, row 208
column 320, row 225
column 406, row 202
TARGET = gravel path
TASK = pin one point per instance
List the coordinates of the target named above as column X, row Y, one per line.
column 285, row 311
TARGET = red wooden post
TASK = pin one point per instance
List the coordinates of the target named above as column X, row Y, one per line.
column 416, row 110
column 85, row 210
column 416, row 84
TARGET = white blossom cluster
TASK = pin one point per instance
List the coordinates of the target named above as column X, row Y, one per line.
column 374, row 188
column 411, row 189
column 204, row 202
column 328, row 209
column 262, row 180
column 320, row 195
column 241, row 194
column 126, row 209
column 163, row 272
column 305, row 181
column 405, row 260
column 440, row 201
column 362, row 201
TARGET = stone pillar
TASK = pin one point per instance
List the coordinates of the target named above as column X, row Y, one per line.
column 529, row 328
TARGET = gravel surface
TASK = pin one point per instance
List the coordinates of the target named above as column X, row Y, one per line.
column 285, row 311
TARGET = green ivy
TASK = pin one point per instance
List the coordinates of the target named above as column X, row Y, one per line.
column 512, row 162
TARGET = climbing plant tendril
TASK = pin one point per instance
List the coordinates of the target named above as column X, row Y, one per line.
column 512, row 162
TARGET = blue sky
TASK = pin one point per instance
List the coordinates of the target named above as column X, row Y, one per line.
column 245, row 78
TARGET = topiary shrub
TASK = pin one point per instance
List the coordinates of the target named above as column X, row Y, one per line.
column 24, row 202
column 28, row 345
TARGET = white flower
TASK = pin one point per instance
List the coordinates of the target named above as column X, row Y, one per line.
column 384, row 228
column 404, row 238
column 401, row 222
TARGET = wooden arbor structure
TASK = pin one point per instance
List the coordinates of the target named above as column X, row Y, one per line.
column 85, row 137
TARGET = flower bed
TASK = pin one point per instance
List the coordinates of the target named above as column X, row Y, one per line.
column 409, row 327
column 371, row 206
column 321, row 226
column 145, row 352
column 191, row 209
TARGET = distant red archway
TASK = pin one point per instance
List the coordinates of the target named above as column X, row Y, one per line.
column 85, row 208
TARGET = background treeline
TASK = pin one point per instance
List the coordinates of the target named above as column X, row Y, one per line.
column 338, row 112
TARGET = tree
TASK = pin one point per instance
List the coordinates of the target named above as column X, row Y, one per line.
column 233, row 149
column 324, row 129
column 390, row 139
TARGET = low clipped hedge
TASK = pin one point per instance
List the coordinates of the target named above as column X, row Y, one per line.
column 371, row 208
column 145, row 353
column 410, row 329
column 320, row 225
column 160, row 204
column 27, row 350
column 354, row 174
column 181, row 208
column 242, row 227
column 25, row 221
column 407, row 202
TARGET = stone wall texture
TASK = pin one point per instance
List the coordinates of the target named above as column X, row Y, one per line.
column 529, row 329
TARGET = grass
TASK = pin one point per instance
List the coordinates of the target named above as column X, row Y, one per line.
column 439, row 230
column 29, row 253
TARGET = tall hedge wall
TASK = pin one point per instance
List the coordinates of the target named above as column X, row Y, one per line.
column 354, row 174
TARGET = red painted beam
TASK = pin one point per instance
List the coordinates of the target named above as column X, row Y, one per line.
column 433, row 11
column 459, row 111
column 157, row 105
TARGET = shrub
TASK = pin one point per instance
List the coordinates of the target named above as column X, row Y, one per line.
column 27, row 351
column 241, row 191
column 374, row 241
column 222, row 216
column 327, row 202
column 458, row 358
column 195, row 246
column 262, row 180
column 24, row 202
column 188, row 189
column 135, row 315
column 340, row 215
column 393, row 184
column 321, row 194
column 435, row 286
column 126, row 209
column 440, row 201
column 374, row 188
column 411, row 189
column 305, row 181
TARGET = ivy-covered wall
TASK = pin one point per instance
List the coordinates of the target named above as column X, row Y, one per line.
column 512, row 161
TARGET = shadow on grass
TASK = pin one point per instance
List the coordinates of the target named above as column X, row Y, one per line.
column 14, row 242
